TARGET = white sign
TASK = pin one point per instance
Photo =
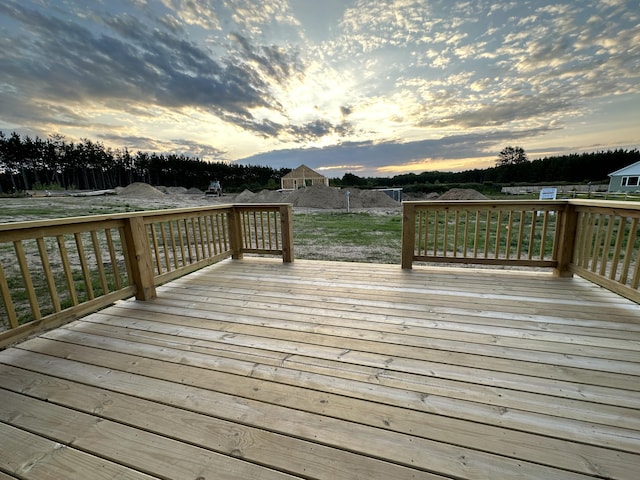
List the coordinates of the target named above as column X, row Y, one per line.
column 548, row 193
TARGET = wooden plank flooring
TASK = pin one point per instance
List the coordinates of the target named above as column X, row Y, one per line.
column 255, row 369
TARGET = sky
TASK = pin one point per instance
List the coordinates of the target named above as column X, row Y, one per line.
column 369, row 87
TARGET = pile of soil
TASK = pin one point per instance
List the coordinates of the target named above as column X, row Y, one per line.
column 174, row 190
column 462, row 194
column 138, row 189
column 321, row 196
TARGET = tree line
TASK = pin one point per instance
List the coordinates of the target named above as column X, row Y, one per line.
column 32, row 163
column 575, row 168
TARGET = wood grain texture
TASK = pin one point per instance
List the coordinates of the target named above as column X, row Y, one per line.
column 256, row 368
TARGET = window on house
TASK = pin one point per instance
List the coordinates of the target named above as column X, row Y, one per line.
column 630, row 181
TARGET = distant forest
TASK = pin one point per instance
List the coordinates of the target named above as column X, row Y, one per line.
column 32, row 163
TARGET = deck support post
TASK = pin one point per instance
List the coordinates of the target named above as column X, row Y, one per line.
column 139, row 253
column 235, row 234
column 566, row 240
column 286, row 227
column 408, row 234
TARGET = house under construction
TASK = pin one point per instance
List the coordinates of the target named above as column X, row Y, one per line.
column 301, row 177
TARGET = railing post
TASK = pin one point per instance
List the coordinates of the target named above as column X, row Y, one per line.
column 408, row 234
column 286, row 227
column 139, row 254
column 235, row 234
column 566, row 239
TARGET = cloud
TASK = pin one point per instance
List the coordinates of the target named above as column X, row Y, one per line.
column 135, row 63
column 370, row 158
column 371, row 79
column 176, row 146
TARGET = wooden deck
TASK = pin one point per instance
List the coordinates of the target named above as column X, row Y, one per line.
column 255, row 369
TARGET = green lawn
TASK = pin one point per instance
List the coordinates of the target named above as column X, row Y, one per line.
column 348, row 237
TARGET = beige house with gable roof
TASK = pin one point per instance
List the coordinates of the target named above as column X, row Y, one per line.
column 301, row 177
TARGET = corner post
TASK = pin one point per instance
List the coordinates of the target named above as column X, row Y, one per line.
column 566, row 240
column 408, row 234
column 139, row 254
column 286, row 227
column 235, row 233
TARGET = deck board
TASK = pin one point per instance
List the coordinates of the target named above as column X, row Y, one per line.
column 255, row 369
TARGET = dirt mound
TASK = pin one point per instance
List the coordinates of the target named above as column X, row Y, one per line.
column 321, row 196
column 267, row 196
column 193, row 191
column 176, row 190
column 138, row 189
column 462, row 194
column 246, row 196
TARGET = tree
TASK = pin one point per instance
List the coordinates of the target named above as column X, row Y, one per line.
column 511, row 156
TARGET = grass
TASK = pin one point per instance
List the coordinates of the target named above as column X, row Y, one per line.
column 348, row 237
column 23, row 209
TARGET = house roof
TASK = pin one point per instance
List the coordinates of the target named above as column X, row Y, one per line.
column 303, row 172
column 633, row 169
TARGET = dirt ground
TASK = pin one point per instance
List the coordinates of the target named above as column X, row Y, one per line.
column 141, row 196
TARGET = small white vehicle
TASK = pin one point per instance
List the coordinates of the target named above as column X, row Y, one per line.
column 215, row 189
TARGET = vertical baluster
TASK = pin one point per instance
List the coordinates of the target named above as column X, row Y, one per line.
column 465, row 241
column 420, row 218
column 99, row 263
column 275, row 229
column 496, row 253
column 9, row 307
column 48, row 274
column 487, row 234
column 543, row 234
column 617, row 247
column 597, row 242
column 214, row 237
column 113, row 258
column 589, row 245
column 156, row 251
column 455, row 233
column 476, row 236
column 523, row 219
column 165, row 245
column 28, row 281
column 628, row 253
column 223, row 224
column 532, row 235
column 174, row 249
column 208, row 221
column 86, row 274
column 606, row 247
column 436, row 225
column 195, row 239
column 201, row 236
column 262, row 235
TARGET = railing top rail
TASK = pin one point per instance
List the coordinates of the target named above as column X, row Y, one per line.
column 119, row 216
column 572, row 201
column 485, row 202
column 613, row 204
column 263, row 206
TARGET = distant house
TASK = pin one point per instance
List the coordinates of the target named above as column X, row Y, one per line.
column 626, row 179
column 302, row 176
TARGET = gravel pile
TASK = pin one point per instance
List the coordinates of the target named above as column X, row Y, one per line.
column 320, row 196
column 462, row 194
column 138, row 189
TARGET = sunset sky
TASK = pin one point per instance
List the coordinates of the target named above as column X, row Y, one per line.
column 374, row 88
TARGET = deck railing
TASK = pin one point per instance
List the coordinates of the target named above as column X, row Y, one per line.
column 54, row 271
column 598, row 240
column 607, row 245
